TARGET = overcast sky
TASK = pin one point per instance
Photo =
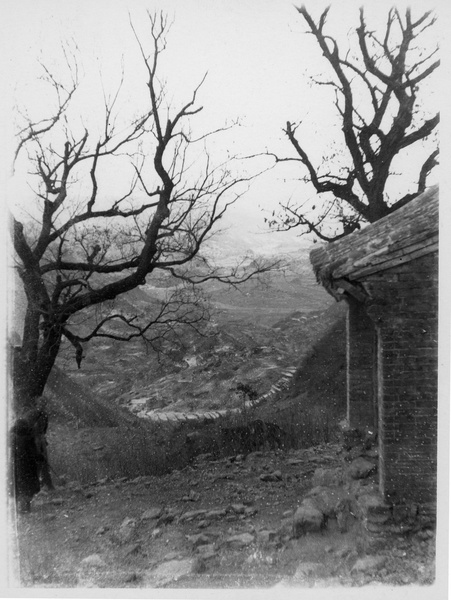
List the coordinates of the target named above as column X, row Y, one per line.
column 256, row 53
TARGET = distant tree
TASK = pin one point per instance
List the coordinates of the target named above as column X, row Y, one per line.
column 78, row 249
column 378, row 83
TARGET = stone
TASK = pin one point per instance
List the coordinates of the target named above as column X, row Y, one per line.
column 152, row 513
column 172, row 556
column 265, row 536
column 369, row 563
column 216, row 514
column 207, row 551
column 345, row 515
column 49, row 517
column 192, row 514
column 101, row 530
column 273, row 476
column 307, row 519
column 74, row 485
column 166, row 518
column 307, row 569
column 343, row 552
column 172, row 570
column 328, row 477
column 126, row 530
column 203, row 523
column 325, row 499
column 199, row 539
column 361, row 468
column 372, row 453
column 192, row 497
column 372, row 504
column 238, row 508
column 93, row 560
column 240, row 540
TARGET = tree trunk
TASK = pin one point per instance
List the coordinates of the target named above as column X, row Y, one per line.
column 30, row 374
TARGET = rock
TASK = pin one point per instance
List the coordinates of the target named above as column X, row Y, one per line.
column 307, row 518
column 192, row 497
column 369, row 563
column 274, row 476
column 132, row 550
column 238, row 508
column 240, row 541
column 152, row 513
column 101, row 530
column 172, row 556
column 372, row 505
column 345, row 515
column 165, row 519
column 372, row 453
column 216, row 514
column 199, row 539
column 203, row 524
column 74, row 485
column 343, row 552
column 193, row 514
column 126, row 530
column 350, row 437
column 172, row 570
column 93, row 560
column 324, row 499
column 354, row 453
column 286, row 528
column 57, row 501
column 250, row 511
column 328, row 477
column 307, row 569
column 49, row 517
column 207, row 551
column 265, row 536
column 361, row 468
column 132, row 578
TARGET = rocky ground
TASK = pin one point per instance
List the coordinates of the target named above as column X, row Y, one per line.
column 238, row 522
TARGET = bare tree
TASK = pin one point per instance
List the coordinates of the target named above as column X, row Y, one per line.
column 78, row 249
column 378, row 85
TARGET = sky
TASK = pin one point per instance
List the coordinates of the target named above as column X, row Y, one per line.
column 256, row 54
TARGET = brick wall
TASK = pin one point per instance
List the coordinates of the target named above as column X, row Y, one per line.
column 361, row 366
column 407, row 366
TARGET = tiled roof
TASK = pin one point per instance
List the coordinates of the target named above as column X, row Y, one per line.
column 406, row 234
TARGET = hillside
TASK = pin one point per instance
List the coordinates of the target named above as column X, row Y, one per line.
column 256, row 330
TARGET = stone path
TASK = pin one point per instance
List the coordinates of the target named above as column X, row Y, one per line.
column 157, row 416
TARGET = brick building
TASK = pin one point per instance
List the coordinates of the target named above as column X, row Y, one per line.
column 388, row 274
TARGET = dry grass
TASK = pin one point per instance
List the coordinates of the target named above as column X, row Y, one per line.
column 89, row 454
